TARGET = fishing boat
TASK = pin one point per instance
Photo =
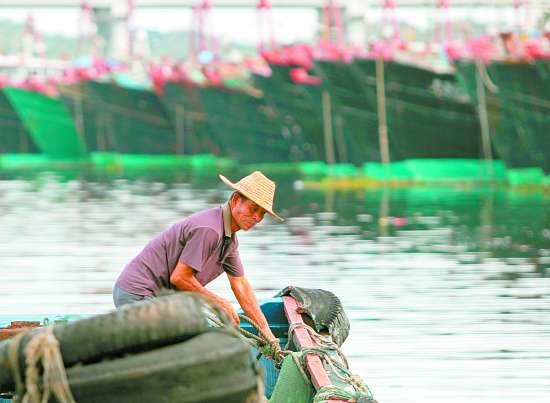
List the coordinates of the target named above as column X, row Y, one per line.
column 14, row 138
column 514, row 97
column 48, row 122
column 120, row 117
column 180, row 348
column 299, row 105
column 429, row 116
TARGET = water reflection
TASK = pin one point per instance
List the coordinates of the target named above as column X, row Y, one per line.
column 447, row 288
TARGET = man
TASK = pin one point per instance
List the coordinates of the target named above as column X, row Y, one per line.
column 196, row 250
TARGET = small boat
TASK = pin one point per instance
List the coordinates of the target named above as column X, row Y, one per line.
column 173, row 349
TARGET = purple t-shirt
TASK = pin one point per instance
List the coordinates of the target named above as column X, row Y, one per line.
column 196, row 241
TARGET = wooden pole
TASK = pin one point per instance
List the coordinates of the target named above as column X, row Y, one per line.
column 79, row 109
column 382, row 120
column 101, row 131
column 342, row 150
column 327, row 129
column 483, row 117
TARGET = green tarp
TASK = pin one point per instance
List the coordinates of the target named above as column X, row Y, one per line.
column 291, row 386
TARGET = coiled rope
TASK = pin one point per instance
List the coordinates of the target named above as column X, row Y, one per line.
column 336, row 361
column 42, row 351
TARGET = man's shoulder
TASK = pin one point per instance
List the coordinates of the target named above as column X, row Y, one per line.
column 206, row 220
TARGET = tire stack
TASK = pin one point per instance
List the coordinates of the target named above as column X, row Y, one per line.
column 161, row 350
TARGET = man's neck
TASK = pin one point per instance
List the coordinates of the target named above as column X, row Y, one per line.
column 229, row 225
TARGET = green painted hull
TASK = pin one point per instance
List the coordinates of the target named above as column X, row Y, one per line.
column 114, row 118
column 14, row 138
column 233, row 124
column 187, row 111
column 428, row 114
column 300, row 108
column 48, row 122
column 518, row 109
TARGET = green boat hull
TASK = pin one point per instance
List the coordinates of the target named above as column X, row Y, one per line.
column 114, row 118
column 428, row 114
column 47, row 121
column 518, row 109
column 14, row 138
column 234, row 124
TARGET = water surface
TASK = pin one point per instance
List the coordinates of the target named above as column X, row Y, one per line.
column 447, row 288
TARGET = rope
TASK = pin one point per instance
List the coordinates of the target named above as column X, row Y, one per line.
column 42, row 351
column 326, row 393
column 13, row 359
column 249, row 320
column 492, row 87
column 266, row 347
column 324, row 346
column 338, row 364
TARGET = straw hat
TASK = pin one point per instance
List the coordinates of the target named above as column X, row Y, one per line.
column 258, row 188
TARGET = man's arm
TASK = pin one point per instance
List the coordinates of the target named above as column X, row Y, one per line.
column 183, row 278
column 245, row 295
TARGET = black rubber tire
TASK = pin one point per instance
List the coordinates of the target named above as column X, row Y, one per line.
column 135, row 327
column 325, row 310
column 211, row 367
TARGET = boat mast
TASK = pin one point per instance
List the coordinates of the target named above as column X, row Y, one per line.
column 390, row 25
column 87, row 40
column 445, row 27
column 121, row 37
column 32, row 42
column 266, row 32
column 203, row 47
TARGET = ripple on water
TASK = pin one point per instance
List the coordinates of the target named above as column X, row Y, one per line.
column 446, row 290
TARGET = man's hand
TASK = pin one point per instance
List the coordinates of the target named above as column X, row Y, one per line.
column 183, row 278
column 227, row 307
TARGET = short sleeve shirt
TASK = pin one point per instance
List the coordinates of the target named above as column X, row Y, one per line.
column 196, row 241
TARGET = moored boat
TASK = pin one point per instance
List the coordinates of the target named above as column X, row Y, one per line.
column 14, row 138
column 172, row 349
column 516, row 102
column 118, row 118
column 48, row 123
column 429, row 116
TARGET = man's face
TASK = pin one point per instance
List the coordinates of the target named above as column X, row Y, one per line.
column 246, row 213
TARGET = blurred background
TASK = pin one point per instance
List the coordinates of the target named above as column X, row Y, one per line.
column 409, row 140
